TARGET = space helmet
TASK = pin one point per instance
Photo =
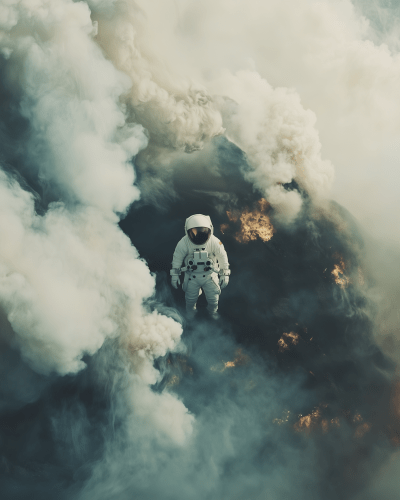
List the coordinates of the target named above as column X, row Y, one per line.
column 199, row 228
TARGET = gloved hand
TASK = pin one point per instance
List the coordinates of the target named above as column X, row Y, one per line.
column 223, row 281
column 175, row 281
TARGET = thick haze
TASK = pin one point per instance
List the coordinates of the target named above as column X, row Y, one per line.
column 118, row 120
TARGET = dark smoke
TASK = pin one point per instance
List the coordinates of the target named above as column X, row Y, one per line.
column 75, row 437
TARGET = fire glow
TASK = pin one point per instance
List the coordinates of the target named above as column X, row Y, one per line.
column 338, row 273
column 285, row 418
column 314, row 420
column 240, row 359
column 253, row 224
column 287, row 339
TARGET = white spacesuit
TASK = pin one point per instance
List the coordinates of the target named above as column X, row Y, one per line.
column 203, row 260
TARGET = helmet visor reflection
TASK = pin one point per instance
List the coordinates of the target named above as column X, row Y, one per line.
column 199, row 235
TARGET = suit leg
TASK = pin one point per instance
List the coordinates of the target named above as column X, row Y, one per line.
column 192, row 294
column 212, row 292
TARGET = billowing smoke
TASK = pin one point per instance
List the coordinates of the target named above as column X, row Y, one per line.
column 70, row 279
column 119, row 120
column 280, row 141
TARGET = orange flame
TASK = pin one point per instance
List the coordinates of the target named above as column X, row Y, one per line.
column 241, row 359
column 229, row 364
column 286, row 339
column 307, row 422
column 253, row 224
column 338, row 272
column 314, row 420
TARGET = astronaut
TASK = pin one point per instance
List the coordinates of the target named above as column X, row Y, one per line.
column 202, row 258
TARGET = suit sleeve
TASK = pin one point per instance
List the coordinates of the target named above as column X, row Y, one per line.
column 221, row 255
column 179, row 254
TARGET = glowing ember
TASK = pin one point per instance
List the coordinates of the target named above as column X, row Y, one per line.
column 224, row 227
column 362, row 430
column 338, row 274
column 314, row 420
column 308, row 422
column 284, row 419
column 287, row 339
column 240, row 360
column 229, row 364
column 254, row 225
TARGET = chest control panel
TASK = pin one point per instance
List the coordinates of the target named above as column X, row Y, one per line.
column 200, row 258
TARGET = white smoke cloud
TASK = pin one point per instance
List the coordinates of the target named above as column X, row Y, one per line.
column 70, row 94
column 163, row 414
column 176, row 111
column 271, row 126
column 337, row 61
column 279, row 138
column 70, row 279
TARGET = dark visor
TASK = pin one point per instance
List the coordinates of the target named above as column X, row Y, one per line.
column 199, row 235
